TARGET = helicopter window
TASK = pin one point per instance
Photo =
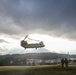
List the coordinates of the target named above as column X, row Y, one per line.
column 23, row 42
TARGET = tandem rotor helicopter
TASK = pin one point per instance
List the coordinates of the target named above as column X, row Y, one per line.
column 25, row 44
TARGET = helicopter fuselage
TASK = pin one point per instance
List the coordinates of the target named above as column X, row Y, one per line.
column 32, row 45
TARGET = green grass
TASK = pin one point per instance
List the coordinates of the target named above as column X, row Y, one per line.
column 37, row 70
column 74, row 63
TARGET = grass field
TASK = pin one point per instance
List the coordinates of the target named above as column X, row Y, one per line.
column 37, row 70
column 73, row 63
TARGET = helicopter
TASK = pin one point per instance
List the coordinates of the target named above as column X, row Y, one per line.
column 25, row 44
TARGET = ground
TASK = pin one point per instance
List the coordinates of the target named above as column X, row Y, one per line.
column 37, row 70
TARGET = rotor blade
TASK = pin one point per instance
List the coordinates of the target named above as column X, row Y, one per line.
column 34, row 39
column 25, row 37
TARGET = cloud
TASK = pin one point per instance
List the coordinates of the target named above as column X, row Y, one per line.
column 1, row 41
column 54, row 17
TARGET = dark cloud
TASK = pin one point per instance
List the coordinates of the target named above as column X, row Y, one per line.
column 54, row 17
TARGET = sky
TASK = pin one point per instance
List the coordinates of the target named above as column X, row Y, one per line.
column 49, row 19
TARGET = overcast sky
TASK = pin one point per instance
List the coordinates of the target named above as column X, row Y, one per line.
column 51, row 17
